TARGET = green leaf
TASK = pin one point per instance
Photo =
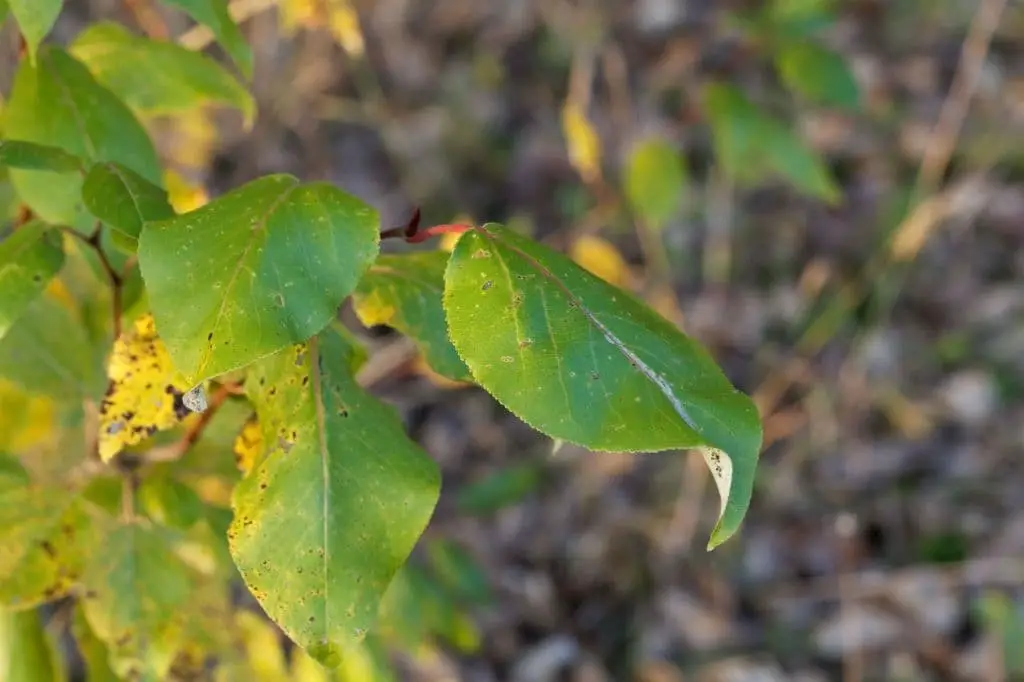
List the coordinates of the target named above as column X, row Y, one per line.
column 26, row 652
column 335, row 507
column 32, row 156
column 262, row 267
column 818, row 74
column 47, row 351
column 45, row 537
column 157, row 77
column 29, row 258
column 3, row 11
column 459, row 572
column 133, row 590
column 123, row 199
column 93, row 651
column 404, row 291
column 500, row 489
column 35, row 19
column 12, row 472
column 214, row 15
column 655, row 178
column 751, row 146
column 585, row 362
column 170, row 502
column 57, row 102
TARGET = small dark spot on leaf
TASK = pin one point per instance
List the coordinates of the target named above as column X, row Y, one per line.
column 279, row 300
column 272, row 391
column 263, row 486
column 305, row 380
column 595, row 376
column 209, row 337
column 342, row 411
column 37, row 278
column 312, row 619
column 48, row 548
column 487, row 285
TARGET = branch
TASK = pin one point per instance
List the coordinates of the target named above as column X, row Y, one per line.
column 177, row 450
column 411, row 233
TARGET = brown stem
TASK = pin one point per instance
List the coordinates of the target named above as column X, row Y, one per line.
column 411, row 233
column 116, row 280
column 148, row 19
column 178, row 449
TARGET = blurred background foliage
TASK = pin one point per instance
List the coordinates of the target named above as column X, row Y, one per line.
column 828, row 194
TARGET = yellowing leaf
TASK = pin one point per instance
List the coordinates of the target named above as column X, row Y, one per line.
column 183, row 195
column 582, row 141
column 337, row 16
column 145, row 391
column 248, row 445
column 193, row 138
column 344, row 25
column 375, row 310
column 28, row 419
column 601, row 258
column 295, row 14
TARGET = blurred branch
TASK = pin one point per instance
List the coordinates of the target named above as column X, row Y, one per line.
column 944, row 135
column 924, row 214
column 200, row 36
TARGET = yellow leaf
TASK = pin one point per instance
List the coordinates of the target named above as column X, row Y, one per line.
column 583, row 144
column 262, row 647
column 248, row 445
column 26, row 420
column 344, row 25
column 145, row 391
column 193, row 137
column 183, row 195
column 372, row 310
column 601, row 258
column 295, row 14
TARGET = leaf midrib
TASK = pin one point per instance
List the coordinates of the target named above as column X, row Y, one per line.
column 660, row 382
column 261, row 226
column 321, row 430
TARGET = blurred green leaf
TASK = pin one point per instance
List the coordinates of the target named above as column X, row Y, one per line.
column 214, row 15
column 94, row 653
column 47, row 351
column 751, row 147
column 170, row 502
column 655, row 181
column 1005, row 619
column 333, row 510
column 818, row 74
column 260, row 268
column 45, row 538
column 503, row 488
column 32, row 156
column 26, row 652
column 29, row 258
column 35, row 19
column 459, row 572
column 583, row 361
column 81, row 117
column 404, row 291
column 157, row 77
column 134, row 588
column 12, row 472
column 123, row 199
